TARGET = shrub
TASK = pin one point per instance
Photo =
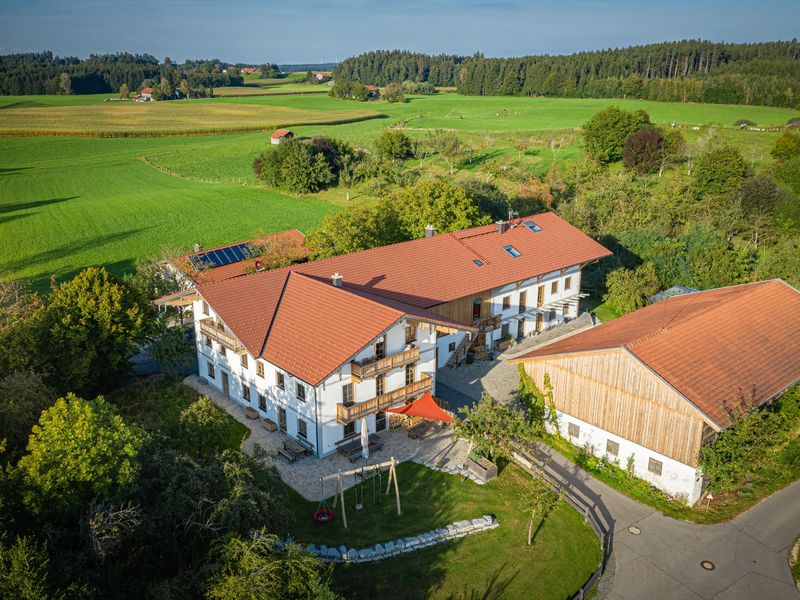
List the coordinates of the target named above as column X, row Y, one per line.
column 719, row 171
column 643, row 151
column 628, row 289
column 295, row 166
column 394, row 93
column 23, row 397
column 786, row 146
column 204, row 428
column 605, row 133
column 744, row 123
column 393, row 144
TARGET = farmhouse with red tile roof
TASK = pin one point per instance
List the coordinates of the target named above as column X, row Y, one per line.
column 281, row 134
column 323, row 348
column 660, row 382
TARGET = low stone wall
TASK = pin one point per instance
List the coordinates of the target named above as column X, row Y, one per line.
column 343, row 554
column 461, row 470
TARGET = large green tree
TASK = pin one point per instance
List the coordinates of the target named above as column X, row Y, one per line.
column 605, row 133
column 628, row 289
column 90, row 328
column 393, row 144
column 493, row 428
column 79, row 450
column 445, row 206
column 787, row 146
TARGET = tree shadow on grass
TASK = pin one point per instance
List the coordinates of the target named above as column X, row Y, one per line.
column 494, row 589
column 15, row 206
column 12, row 170
column 41, row 281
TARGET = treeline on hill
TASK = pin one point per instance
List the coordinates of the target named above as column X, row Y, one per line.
column 45, row 73
column 685, row 71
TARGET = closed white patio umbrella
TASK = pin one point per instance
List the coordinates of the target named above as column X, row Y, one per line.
column 364, row 438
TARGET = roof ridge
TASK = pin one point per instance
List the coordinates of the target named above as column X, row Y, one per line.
column 274, row 314
column 469, row 249
column 754, row 285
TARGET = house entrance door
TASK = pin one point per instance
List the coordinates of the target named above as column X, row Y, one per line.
column 521, row 328
column 226, row 384
column 539, row 322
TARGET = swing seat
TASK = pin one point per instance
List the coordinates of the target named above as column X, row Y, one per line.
column 323, row 515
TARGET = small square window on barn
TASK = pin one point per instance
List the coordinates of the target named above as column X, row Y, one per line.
column 574, row 430
column 451, row 347
column 612, row 448
column 655, row 466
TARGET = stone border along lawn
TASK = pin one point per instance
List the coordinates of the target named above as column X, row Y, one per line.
column 794, row 562
column 343, row 554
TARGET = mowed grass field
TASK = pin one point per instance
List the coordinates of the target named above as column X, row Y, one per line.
column 69, row 202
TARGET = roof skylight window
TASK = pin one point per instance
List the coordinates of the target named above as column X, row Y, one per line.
column 512, row 251
column 532, row 226
column 478, row 262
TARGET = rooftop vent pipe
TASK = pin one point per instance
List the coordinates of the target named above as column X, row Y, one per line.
column 430, row 231
column 337, row 279
column 198, row 247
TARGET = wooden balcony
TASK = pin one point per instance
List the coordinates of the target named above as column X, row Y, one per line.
column 354, row 412
column 487, row 324
column 215, row 332
column 377, row 366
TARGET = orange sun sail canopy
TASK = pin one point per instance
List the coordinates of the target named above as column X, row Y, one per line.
column 424, row 407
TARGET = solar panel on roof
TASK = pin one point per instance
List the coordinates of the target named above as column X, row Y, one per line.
column 223, row 256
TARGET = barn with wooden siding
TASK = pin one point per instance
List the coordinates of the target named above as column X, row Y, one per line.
column 653, row 386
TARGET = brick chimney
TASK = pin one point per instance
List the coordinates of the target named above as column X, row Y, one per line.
column 430, row 231
column 336, row 278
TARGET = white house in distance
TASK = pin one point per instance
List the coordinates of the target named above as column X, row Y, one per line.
column 146, row 95
column 657, row 384
column 319, row 346
column 280, row 135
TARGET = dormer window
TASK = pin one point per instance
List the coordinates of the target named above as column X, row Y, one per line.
column 513, row 252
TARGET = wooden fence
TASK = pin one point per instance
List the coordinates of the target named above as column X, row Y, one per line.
column 536, row 464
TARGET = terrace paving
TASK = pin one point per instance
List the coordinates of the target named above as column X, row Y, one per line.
column 303, row 475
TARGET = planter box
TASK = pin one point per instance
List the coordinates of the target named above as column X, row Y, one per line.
column 502, row 345
column 251, row 413
column 482, row 468
column 270, row 425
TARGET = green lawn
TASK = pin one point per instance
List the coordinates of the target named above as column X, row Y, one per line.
column 563, row 557
column 66, row 203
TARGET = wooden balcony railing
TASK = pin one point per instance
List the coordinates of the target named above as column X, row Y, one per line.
column 354, row 412
column 373, row 367
column 487, row 324
column 212, row 330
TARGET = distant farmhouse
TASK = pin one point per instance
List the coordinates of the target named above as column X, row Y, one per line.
column 656, row 385
column 323, row 75
column 280, row 135
column 250, row 70
column 146, row 95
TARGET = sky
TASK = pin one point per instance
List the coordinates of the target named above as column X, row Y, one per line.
column 314, row 31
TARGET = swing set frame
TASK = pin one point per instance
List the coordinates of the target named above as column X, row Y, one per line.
column 389, row 465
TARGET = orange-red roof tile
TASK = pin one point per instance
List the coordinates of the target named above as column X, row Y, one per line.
column 317, row 326
column 713, row 347
column 242, row 267
column 280, row 133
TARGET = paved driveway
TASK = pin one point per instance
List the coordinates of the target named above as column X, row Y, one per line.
column 750, row 553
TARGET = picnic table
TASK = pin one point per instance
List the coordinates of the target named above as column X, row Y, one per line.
column 422, row 430
column 292, row 450
column 352, row 450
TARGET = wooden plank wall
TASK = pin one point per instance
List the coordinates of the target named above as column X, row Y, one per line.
column 613, row 391
column 461, row 310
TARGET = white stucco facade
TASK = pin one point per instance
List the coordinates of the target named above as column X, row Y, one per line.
column 676, row 478
column 307, row 407
column 525, row 310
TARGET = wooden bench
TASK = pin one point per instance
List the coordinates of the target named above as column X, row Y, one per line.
column 374, row 446
column 295, row 448
column 351, row 447
column 287, row 455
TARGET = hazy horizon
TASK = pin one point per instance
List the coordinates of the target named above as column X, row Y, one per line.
column 311, row 31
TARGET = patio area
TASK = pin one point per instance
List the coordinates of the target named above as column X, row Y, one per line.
column 439, row 450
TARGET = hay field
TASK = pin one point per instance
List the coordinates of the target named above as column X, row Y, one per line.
column 156, row 119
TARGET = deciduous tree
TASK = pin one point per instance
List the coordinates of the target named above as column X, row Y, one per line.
column 79, row 450
column 605, row 133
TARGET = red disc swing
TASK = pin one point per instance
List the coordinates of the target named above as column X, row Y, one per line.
column 323, row 514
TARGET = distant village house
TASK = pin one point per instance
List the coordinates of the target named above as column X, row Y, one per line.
column 280, row 135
